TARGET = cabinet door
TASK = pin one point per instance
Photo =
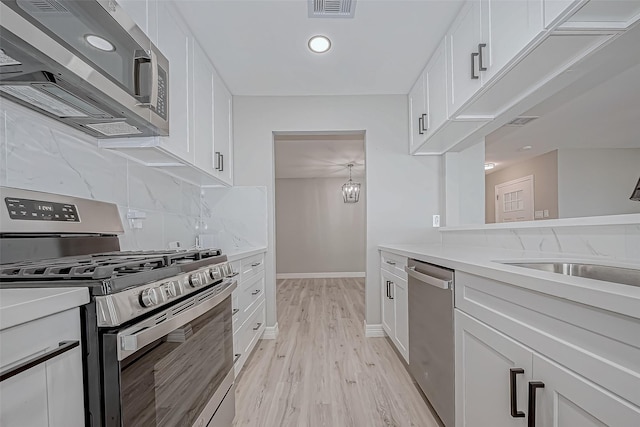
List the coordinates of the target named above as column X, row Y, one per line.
column 203, row 141
column 484, row 358
column 567, row 399
column 507, row 28
column 417, row 113
column 401, row 308
column 436, row 90
column 65, row 390
column 137, row 10
column 223, row 129
column 388, row 312
column 174, row 41
column 23, row 399
column 464, row 36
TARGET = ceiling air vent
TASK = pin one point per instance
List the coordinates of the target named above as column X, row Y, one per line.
column 521, row 121
column 332, row 8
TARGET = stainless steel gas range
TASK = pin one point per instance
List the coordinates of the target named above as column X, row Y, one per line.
column 157, row 334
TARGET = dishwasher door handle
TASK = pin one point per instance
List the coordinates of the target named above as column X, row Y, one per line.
column 433, row 281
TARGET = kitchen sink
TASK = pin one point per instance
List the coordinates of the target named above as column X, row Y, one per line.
column 625, row 276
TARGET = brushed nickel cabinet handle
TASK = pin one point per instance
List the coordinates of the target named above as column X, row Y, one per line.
column 257, row 326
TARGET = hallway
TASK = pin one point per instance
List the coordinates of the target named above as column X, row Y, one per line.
column 321, row 370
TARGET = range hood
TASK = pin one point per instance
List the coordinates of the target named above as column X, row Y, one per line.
column 84, row 63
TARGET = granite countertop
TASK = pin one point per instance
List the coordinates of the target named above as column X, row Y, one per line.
column 486, row 262
column 237, row 254
column 19, row 306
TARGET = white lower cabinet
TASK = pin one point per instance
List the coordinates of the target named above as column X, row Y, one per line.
column 249, row 307
column 395, row 304
column 484, row 360
column 49, row 393
column 524, row 358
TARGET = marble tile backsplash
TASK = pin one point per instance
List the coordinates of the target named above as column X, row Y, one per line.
column 620, row 242
column 40, row 154
column 236, row 218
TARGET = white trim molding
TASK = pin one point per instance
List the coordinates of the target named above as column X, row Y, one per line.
column 270, row 332
column 333, row 275
column 374, row 331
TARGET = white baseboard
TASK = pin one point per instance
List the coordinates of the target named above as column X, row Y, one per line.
column 374, row 331
column 270, row 332
column 335, row 275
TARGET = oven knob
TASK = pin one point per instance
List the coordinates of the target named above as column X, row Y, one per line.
column 149, row 297
column 172, row 289
column 195, row 280
column 215, row 274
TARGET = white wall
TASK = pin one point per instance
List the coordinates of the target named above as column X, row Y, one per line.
column 597, row 181
column 402, row 190
column 316, row 232
column 38, row 153
column 463, row 186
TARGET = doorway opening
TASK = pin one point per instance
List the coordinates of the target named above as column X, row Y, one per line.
column 317, row 234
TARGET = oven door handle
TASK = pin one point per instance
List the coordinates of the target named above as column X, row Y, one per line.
column 144, row 333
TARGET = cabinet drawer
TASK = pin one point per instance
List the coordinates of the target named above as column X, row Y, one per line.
column 252, row 265
column 393, row 264
column 248, row 335
column 28, row 339
column 249, row 293
column 599, row 345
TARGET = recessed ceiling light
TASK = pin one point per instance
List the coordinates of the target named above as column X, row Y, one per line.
column 526, row 148
column 99, row 43
column 489, row 166
column 319, row 44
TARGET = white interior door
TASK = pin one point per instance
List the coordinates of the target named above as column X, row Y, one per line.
column 514, row 200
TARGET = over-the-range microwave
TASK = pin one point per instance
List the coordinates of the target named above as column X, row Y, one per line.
column 84, row 63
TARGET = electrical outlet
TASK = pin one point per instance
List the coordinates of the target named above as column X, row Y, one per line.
column 546, row 213
column 436, row 220
column 538, row 214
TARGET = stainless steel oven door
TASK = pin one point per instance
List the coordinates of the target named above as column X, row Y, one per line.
column 174, row 368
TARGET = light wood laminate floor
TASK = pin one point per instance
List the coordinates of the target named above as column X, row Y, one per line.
column 321, row 370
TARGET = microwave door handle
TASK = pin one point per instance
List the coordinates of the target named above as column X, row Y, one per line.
column 154, row 79
column 139, row 59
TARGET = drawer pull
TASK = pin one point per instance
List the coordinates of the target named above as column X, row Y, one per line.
column 235, row 310
column 63, row 347
column 533, row 386
column 391, row 262
column 257, row 326
column 234, row 274
column 256, row 292
column 513, row 392
column 236, row 357
column 255, row 264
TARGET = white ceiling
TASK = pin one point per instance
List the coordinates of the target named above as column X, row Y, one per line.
column 319, row 156
column 602, row 110
column 259, row 47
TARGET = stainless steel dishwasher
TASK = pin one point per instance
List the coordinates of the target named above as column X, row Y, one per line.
column 431, row 335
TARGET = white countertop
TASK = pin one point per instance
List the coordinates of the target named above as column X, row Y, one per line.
column 24, row 305
column 624, row 299
column 244, row 253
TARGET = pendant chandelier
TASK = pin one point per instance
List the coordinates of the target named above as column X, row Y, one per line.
column 351, row 190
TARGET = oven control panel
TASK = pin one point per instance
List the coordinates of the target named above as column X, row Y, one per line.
column 40, row 210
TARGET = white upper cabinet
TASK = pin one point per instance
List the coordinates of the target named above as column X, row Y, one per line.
column 203, row 111
column 174, row 41
column 428, row 99
column 199, row 148
column 223, row 130
column 465, row 35
column 507, row 28
column 417, row 112
column 436, row 90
